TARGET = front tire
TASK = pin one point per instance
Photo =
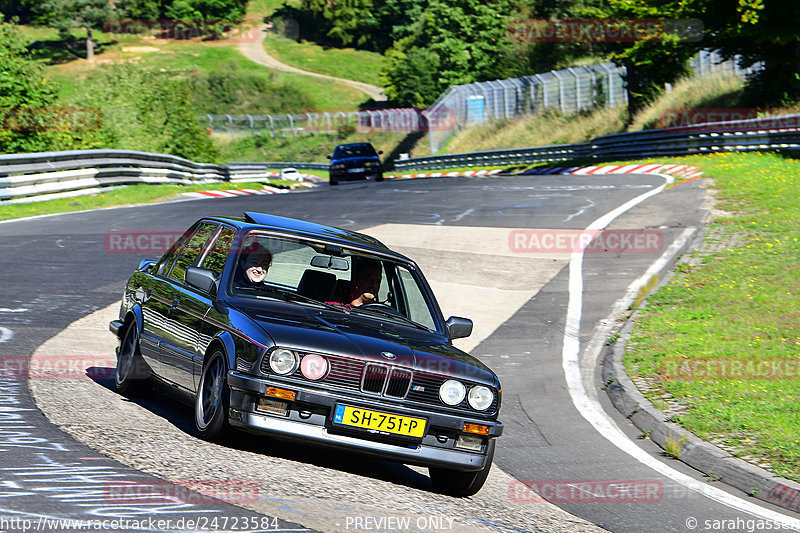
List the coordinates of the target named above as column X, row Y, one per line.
column 333, row 181
column 212, row 399
column 129, row 376
column 462, row 484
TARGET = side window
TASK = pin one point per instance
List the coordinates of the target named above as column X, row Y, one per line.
column 191, row 250
column 416, row 306
column 216, row 257
column 166, row 261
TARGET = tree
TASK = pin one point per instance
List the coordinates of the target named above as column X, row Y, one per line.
column 90, row 15
column 760, row 31
column 24, row 95
column 453, row 42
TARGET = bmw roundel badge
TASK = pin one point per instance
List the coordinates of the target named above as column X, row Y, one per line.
column 389, row 355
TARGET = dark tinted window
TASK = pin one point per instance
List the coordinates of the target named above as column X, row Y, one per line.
column 216, row 257
column 354, row 150
column 166, row 261
column 191, row 250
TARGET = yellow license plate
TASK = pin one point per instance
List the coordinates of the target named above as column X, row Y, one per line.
column 381, row 422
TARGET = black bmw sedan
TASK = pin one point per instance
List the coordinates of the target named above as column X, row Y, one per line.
column 314, row 333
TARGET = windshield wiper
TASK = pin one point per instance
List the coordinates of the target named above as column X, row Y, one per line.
column 289, row 295
column 391, row 314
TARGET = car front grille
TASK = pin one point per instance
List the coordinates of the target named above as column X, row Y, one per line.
column 385, row 380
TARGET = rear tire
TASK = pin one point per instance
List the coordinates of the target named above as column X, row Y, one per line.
column 129, row 376
column 462, row 484
column 379, row 177
column 333, row 181
column 212, row 398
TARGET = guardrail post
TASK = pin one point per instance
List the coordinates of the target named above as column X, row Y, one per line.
column 560, row 91
column 252, row 127
column 577, row 88
column 291, row 124
column 271, row 126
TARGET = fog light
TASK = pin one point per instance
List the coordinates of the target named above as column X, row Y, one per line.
column 274, row 407
column 283, row 394
column 468, row 442
column 476, row 428
column 314, row 366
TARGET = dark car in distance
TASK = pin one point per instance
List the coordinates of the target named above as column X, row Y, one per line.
column 311, row 333
column 354, row 161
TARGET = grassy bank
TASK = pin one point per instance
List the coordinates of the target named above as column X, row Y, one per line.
column 347, row 63
column 719, row 346
column 307, row 148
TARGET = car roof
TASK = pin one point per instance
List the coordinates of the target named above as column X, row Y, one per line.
column 302, row 228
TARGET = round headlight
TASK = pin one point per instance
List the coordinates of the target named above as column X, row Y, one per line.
column 283, row 361
column 314, row 366
column 480, row 397
column 452, row 392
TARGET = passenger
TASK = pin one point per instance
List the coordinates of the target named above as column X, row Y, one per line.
column 254, row 262
column 365, row 281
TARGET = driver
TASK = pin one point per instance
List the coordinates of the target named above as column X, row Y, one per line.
column 254, row 262
column 365, row 281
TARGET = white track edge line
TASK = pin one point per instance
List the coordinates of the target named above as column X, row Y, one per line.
column 593, row 411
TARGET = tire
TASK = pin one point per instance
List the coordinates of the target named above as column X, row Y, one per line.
column 462, row 484
column 333, row 181
column 129, row 376
column 212, row 398
column 379, row 177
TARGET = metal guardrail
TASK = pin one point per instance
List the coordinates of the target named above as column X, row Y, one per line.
column 762, row 134
column 46, row 175
column 53, row 174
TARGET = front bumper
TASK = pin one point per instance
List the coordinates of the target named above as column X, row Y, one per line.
column 309, row 420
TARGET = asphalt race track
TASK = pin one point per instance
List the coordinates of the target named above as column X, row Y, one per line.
column 55, row 270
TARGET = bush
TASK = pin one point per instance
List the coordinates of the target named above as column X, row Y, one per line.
column 234, row 90
column 148, row 111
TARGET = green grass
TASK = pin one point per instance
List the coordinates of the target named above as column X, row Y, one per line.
column 347, row 63
column 547, row 128
column 186, row 57
column 739, row 304
column 132, row 195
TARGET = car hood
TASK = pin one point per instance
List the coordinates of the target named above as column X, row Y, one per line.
column 364, row 338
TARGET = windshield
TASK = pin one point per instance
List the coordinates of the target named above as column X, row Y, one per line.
column 348, row 281
column 354, row 150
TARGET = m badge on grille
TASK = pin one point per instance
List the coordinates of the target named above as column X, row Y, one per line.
column 389, row 355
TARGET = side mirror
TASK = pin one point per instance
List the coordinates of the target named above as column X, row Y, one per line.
column 380, row 152
column 145, row 265
column 328, row 156
column 459, row 327
column 201, row 279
